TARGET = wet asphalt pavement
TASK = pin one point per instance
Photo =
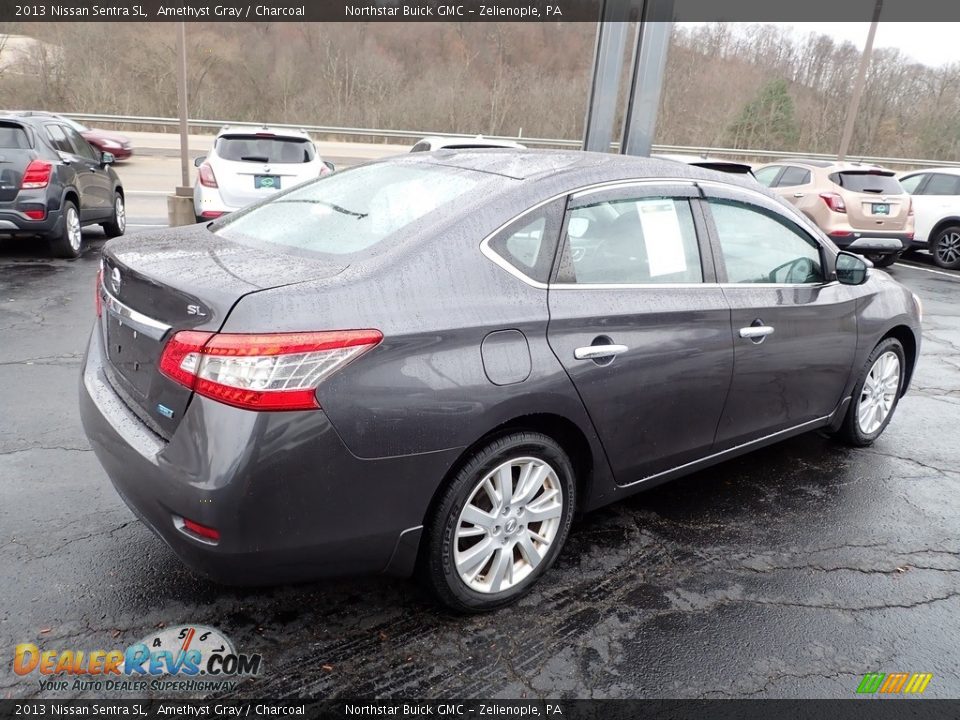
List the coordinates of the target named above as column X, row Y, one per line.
column 790, row 572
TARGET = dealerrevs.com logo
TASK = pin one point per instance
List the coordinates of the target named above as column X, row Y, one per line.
column 186, row 658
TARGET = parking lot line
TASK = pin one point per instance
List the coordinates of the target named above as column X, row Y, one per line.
column 929, row 270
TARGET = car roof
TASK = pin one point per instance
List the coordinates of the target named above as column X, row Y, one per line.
column 265, row 129
column 832, row 165
column 942, row 170
column 572, row 166
column 474, row 140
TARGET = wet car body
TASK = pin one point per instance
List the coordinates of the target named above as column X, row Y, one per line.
column 471, row 347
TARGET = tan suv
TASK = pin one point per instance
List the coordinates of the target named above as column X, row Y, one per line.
column 861, row 207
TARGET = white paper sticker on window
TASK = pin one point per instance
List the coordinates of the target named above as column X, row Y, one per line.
column 662, row 236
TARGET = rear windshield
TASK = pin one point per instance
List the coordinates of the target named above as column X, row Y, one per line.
column 353, row 210
column 14, row 136
column 265, row 149
column 868, row 182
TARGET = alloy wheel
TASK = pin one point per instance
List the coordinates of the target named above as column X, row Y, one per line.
column 507, row 525
column 74, row 233
column 948, row 247
column 879, row 393
column 120, row 214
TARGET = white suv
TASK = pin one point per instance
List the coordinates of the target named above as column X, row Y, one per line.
column 936, row 205
column 249, row 164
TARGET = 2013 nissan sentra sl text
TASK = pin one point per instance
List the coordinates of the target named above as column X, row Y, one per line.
column 435, row 361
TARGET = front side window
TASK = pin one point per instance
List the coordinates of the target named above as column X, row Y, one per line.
column 80, row 146
column 632, row 241
column 762, row 247
column 353, row 210
column 941, row 184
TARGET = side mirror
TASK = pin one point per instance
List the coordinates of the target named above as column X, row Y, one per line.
column 198, row 161
column 330, row 166
column 106, row 158
column 851, row 269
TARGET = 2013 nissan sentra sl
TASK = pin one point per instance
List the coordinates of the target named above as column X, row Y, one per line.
column 433, row 362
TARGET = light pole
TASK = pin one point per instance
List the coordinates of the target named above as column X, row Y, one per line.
column 858, row 85
column 180, row 205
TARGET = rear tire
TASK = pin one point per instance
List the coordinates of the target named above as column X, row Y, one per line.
column 68, row 243
column 875, row 396
column 883, row 261
column 117, row 225
column 945, row 248
column 482, row 552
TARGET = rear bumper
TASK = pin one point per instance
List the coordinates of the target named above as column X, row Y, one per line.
column 289, row 500
column 874, row 242
column 16, row 224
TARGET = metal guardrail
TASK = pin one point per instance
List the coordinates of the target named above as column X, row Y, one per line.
column 721, row 152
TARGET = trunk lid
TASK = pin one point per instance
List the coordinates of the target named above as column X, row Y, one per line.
column 16, row 152
column 874, row 199
column 242, row 183
column 182, row 279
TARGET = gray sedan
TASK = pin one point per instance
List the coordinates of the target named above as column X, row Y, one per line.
column 434, row 362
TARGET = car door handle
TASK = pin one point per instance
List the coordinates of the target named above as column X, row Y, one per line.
column 799, row 195
column 755, row 332
column 593, row 352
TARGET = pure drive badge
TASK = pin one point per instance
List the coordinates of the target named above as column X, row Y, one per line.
column 165, row 411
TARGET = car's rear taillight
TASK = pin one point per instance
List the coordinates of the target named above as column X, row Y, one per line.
column 97, row 300
column 207, row 178
column 37, row 175
column 834, row 201
column 262, row 372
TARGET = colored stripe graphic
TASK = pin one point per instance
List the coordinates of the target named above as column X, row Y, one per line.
column 910, row 683
column 870, row 683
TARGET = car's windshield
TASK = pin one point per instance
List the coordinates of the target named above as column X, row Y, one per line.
column 351, row 211
column 265, row 149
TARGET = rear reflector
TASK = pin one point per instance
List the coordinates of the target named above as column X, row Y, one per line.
column 202, row 530
column 834, row 201
column 35, row 214
column 207, row 178
column 211, row 214
column 98, row 301
column 262, row 372
column 37, row 175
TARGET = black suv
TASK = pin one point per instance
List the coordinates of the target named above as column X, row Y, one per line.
column 53, row 182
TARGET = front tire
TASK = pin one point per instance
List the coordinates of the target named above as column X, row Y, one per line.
column 500, row 523
column 117, row 225
column 875, row 395
column 69, row 241
column 945, row 248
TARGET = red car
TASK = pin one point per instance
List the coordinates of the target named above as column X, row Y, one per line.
column 103, row 140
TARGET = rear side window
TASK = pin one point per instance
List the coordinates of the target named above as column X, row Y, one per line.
column 529, row 243
column 867, row 182
column 767, row 175
column 421, row 146
column 265, row 149
column 646, row 241
column 14, row 136
column 794, row 176
column 941, row 184
column 59, row 138
column 910, row 184
column 353, row 210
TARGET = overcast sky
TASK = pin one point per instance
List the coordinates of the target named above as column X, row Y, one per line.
column 930, row 43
